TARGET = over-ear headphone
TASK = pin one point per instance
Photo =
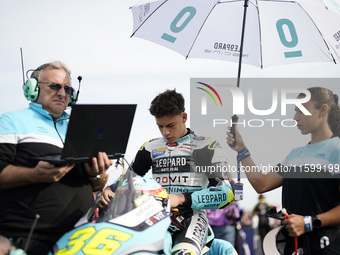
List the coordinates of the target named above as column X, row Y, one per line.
column 31, row 87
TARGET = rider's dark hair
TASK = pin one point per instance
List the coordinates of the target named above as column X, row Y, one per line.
column 168, row 103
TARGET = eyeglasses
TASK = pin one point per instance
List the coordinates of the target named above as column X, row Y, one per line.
column 57, row 87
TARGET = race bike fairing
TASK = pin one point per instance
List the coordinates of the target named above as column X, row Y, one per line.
column 138, row 210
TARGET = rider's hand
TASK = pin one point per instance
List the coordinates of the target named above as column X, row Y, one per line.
column 176, row 199
column 107, row 194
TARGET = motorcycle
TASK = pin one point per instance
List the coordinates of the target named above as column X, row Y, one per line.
column 136, row 221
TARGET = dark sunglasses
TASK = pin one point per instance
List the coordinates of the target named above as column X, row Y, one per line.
column 57, row 87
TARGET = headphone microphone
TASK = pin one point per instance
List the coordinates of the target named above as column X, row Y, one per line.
column 77, row 93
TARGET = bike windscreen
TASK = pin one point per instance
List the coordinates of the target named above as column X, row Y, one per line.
column 123, row 201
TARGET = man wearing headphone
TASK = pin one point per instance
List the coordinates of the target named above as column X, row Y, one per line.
column 46, row 198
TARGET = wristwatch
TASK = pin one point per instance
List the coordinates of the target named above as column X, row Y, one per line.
column 316, row 222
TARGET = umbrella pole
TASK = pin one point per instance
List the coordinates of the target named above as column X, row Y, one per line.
column 242, row 40
column 235, row 117
column 239, row 185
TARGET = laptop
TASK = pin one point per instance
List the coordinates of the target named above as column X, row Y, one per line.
column 95, row 128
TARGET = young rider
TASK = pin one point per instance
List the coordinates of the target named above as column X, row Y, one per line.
column 176, row 160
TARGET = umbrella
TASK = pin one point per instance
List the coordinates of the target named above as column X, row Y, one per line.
column 256, row 32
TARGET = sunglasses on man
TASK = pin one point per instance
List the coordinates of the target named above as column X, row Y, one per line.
column 57, row 87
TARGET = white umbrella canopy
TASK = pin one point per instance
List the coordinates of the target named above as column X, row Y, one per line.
column 276, row 32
